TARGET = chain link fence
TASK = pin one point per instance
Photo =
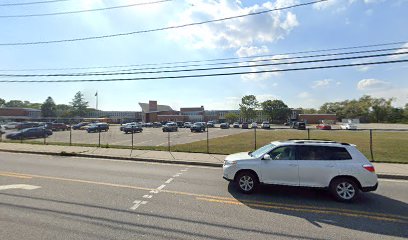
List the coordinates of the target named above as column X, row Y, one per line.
column 376, row 144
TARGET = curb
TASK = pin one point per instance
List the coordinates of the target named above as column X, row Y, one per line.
column 180, row 162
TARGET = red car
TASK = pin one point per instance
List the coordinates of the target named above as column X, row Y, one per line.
column 323, row 127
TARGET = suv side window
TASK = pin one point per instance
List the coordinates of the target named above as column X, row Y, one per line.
column 322, row 153
column 283, row 153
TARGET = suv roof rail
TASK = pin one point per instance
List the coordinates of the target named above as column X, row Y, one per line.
column 317, row 141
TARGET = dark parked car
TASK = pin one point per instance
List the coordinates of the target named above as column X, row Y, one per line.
column 79, row 125
column 170, row 127
column 197, row 127
column 157, row 125
column 25, row 125
column 245, row 125
column 57, row 126
column 224, row 126
column 299, row 125
column 129, row 128
column 180, row 124
column 98, row 127
column 210, row 124
column 38, row 132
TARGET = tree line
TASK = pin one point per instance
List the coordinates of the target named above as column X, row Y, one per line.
column 366, row 108
column 78, row 107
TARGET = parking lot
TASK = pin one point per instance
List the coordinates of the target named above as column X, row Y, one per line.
column 149, row 136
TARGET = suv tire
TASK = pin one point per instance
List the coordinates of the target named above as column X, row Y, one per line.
column 246, row 182
column 344, row 189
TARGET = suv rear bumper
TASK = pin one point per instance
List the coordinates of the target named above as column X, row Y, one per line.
column 370, row 189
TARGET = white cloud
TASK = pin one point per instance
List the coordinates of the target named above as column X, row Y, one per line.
column 234, row 33
column 404, row 48
column 325, row 5
column 322, row 83
column 304, row 95
column 251, row 51
column 399, row 94
column 370, row 84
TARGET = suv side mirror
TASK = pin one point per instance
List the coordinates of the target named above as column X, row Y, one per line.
column 267, row 157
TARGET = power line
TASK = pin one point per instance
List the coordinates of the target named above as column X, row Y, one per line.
column 203, row 69
column 82, row 11
column 30, row 3
column 214, row 60
column 204, row 75
column 157, row 29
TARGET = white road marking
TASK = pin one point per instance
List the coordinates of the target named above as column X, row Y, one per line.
column 154, row 191
column 169, row 180
column 19, row 186
column 161, row 187
column 147, row 196
column 183, row 170
column 137, row 204
column 177, row 175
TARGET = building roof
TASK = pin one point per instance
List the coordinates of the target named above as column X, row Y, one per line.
column 18, row 108
column 160, row 108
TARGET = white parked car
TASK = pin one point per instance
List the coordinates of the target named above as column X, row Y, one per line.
column 254, row 125
column 340, row 167
column 10, row 125
column 2, row 129
column 348, row 126
column 265, row 125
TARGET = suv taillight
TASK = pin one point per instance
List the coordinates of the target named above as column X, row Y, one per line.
column 369, row 168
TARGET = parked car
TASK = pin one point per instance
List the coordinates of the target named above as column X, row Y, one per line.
column 170, row 127
column 210, row 124
column 235, row 125
column 25, row 125
column 244, row 125
column 122, row 127
column 37, row 132
column 2, row 129
column 224, row 125
column 180, row 124
column 56, row 126
column 265, row 125
column 348, row 126
column 254, row 125
column 197, row 127
column 157, row 125
column 187, row 124
column 97, row 127
column 339, row 167
column 133, row 128
column 299, row 125
column 323, row 126
column 79, row 125
column 10, row 125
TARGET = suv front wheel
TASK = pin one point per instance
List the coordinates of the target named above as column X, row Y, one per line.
column 246, row 182
column 344, row 189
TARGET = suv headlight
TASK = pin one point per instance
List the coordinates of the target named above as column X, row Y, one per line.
column 229, row 162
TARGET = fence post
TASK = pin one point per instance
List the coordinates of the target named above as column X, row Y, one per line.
column 132, row 136
column 255, row 138
column 70, row 134
column 168, row 141
column 1, row 136
column 371, row 145
column 308, row 134
column 99, row 131
column 45, row 142
column 21, row 137
column 208, row 146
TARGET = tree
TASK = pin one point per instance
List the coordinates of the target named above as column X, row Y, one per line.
column 380, row 109
column 15, row 103
column 231, row 117
column 248, row 107
column 2, row 102
column 48, row 108
column 276, row 110
column 64, row 111
column 79, row 105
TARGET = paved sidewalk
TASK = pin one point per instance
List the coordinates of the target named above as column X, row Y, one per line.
column 383, row 170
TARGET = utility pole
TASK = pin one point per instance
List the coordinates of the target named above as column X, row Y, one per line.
column 96, row 95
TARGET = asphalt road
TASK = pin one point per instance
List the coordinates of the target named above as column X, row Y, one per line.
column 79, row 198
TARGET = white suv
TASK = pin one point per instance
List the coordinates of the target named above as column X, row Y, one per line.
column 340, row 167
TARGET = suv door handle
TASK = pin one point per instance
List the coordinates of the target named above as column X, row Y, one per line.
column 293, row 165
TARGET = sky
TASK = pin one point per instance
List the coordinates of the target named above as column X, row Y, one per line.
column 325, row 25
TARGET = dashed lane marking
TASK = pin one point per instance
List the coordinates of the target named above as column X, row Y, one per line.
column 169, row 180
column 137, row 204
column 147, row 196
column 161, row 187
column 19, row 186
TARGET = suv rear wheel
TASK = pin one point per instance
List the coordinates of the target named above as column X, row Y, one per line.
column 246, row 182
column 344, row 189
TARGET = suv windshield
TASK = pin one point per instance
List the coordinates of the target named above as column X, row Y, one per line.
column 261, row 151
